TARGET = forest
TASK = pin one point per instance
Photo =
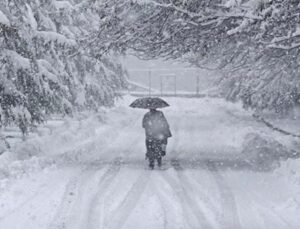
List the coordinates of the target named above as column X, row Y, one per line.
column 58, row 57
column 47, row 65
column 253, row 43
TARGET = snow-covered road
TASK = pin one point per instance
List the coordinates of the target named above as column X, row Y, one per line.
column 94, row 175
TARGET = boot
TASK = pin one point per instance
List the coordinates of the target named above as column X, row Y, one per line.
column 159, row 160
column 151, row 163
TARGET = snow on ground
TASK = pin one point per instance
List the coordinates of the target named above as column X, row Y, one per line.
column 89, row 172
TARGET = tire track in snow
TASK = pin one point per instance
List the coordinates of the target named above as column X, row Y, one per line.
column 178, row 189
column 66, row 212
column 230, row 217
column 68, row 202
column 94, row 213
column 105, row 181
column 183, row 180
column 188, row 203
column 126, row 207
column 165, row 218
column 175, row 162
column 165, row 203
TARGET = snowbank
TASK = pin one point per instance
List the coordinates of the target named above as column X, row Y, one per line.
column 264, row 152
column 62, row 142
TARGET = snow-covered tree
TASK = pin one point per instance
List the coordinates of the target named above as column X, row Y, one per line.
column 255, row 43
column 263, row 68
column 46, row 65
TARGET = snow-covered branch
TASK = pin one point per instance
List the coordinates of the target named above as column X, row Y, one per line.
column 38, row 77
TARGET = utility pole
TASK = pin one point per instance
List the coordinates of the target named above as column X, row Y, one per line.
column 170, row 78
column 175, row 85
column 197, row 84
column 150, row 82
column 161, row 85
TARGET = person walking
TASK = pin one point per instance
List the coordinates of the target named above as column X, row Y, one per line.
column 156, row 128
column 157, row 132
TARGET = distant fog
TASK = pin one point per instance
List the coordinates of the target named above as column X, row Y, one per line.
column 160, row 73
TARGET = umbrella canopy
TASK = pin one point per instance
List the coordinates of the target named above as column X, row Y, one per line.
column 149, row 103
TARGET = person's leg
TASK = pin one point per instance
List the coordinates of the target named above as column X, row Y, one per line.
column 159, row 159
column 151, row 162
column 148, row 148
column 162, row 152
column 150, row 144
column 164, row 143
column 157, row 151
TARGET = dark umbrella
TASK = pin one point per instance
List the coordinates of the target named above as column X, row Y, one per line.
column 149, row 103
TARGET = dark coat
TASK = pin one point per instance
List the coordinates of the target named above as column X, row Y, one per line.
column 156, row 125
